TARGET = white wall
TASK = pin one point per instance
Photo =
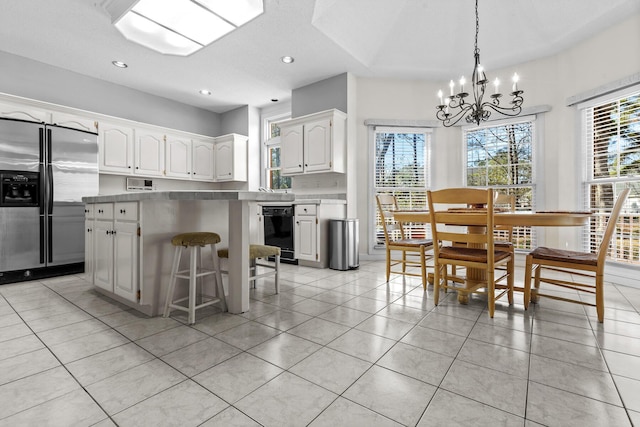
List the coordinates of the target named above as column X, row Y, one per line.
column 35, row 80
column 603, row 59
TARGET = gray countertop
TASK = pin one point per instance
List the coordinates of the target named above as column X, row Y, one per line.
column 254, row 196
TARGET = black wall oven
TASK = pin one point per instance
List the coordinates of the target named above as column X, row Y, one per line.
column 278, row 230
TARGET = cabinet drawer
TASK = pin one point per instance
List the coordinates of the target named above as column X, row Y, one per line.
column 89, row 211
column 306, row 209
column 103, row 210
column 126, row 211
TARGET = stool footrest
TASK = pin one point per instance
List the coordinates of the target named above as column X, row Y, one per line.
column 185, row 308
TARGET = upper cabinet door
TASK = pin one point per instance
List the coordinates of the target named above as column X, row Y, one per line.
column 203, row 160
column 291, row 158
column 22, row 112
column 231, row 158
column 116, row 148
column 149, row 153
column 74, row 122
column 178, row 157
column 317, row 145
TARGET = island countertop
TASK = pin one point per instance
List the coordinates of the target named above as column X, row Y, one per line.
column 257, row 196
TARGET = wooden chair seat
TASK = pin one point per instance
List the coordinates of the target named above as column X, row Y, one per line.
column 470, row 254
column 412, row 242
column 561, row 255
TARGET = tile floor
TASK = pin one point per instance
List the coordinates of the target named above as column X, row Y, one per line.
column 332, row 349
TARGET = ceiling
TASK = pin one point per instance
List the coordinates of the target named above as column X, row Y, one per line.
column 408, row 39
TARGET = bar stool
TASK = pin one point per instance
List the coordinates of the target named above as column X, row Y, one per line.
column 195, row 241
column 255, row 252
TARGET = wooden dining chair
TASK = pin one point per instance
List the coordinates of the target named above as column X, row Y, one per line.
column 587, row 266
column 413, row 252
column 479, row 255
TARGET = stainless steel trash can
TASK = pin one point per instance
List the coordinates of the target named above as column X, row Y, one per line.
column 343, row 244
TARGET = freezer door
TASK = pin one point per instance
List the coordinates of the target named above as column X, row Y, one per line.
column 72, row 164
column 19, row 145
column 66, row 228
column 21, row 238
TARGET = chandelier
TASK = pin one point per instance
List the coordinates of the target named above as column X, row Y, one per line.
column 453, row 108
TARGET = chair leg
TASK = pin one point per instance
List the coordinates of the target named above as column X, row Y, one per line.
column 388, row 264
column 491, row 291
column 404, row 262
column 527, row 281
column 253, row 268
column 600, row 297
column 218, row 276
column 423, row 266
column 277, row 276
column 537, row 271
column 193, row 265
column 177, row 253
column 436, row 283
column 510, row 279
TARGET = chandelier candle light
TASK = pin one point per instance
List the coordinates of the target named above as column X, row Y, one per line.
column 455, row 107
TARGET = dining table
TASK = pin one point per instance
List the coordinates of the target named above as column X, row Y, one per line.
column 475, row 220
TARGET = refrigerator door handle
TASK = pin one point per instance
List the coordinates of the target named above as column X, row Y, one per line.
column 42, row 235
column 41, row 190
column 50, row 189
column 41, row 134
column 48, row 146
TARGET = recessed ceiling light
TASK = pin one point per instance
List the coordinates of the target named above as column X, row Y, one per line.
column 119, row 64
column 205, row 92
column 287, row 59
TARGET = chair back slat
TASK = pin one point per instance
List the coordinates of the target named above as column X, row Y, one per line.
column 482, row 217
column 611, row 226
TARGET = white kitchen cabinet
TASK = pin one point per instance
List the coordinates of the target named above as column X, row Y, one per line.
column 306, row 234
column 74, row 121
column 311, row 236
column 116, row 248
column 115, row 143
column 203, row 158
column 231, row 158
column 291, row 151
column 24, row 112
column 149, row 152
column 178, row 157
column 314, row 144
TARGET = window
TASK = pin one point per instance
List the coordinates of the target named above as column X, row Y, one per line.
column 273, row 178
column 401, row 167
column 501, row 157
column 612, row 137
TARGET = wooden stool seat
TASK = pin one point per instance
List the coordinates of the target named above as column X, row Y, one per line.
column 260, row 251
column 195, row 241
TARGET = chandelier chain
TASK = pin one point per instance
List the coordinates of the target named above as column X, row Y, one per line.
column 476, row 50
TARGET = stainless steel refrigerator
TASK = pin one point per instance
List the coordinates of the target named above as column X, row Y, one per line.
column 45, row 170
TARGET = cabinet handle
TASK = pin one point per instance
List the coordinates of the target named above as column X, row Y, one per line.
column 122, row 211
column 129, row 167
column 88, row 230
column 137, row 167
column 299, row 166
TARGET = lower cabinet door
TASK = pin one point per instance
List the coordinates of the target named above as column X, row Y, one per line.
column 305, row 238
column 126, row 260
column 103, row 255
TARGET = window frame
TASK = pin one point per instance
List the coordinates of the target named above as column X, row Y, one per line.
column 373, row 189
column 269, row 142
column 535, row 121
column 590, row 240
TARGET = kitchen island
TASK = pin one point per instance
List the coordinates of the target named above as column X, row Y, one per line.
column 128, row 240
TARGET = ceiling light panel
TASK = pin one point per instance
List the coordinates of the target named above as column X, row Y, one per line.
column 181, row 27
column 147, row 33
column 238, row 12
column 186, row 18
